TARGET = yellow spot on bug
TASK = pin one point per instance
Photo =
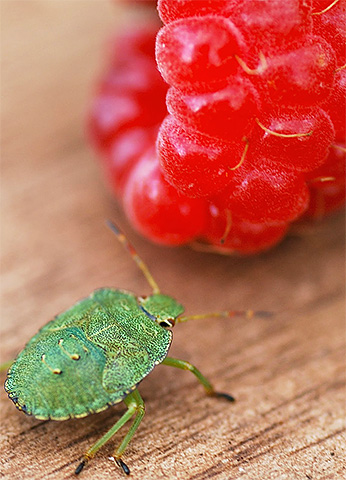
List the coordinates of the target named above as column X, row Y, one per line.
column 56, row 371
column 73, row 356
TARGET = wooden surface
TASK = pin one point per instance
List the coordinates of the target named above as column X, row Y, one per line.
column 287, row 373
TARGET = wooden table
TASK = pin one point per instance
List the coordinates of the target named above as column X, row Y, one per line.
column 287, row 373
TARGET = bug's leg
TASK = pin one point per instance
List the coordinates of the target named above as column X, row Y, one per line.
column 135, row 406
column 174, row 362
column 138, row 405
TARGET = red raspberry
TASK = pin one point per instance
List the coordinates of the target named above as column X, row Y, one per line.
column 131, row 94
column 327, row 183
column 333, row 170
column 193, row 163
column 123, row 153
column 255, row 136
column 198, row 54
column 302, row 75
column 227, row 113
column 243, row 236
column 324, row 201
column 336, row 105
column 329, row 22
column 261, row 191
column 269, row 24
column 157, row 210
column 299, row 139
column 170, row 10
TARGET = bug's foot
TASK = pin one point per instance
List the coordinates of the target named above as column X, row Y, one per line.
column 122, row 465
column 227, row 396
column 80, row 466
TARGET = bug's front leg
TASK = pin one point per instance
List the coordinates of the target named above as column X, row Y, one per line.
column 182, row 364
column 135, row 407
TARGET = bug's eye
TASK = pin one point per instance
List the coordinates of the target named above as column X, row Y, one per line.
column 167, row 323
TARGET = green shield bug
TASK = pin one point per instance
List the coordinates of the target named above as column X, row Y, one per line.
column 96, row 353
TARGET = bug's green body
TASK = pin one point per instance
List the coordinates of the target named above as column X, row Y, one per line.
column 90, row 356
column 94, row 355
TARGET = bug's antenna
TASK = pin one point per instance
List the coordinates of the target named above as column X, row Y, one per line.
column 228, row 314
column 122, row 239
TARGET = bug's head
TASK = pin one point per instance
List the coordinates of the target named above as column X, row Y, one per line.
column 161, row 308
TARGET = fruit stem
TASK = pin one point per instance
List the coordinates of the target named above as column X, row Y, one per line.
column 253, row 71
column 322, row 179
column 246, row 148
column 338, row 147
column 326, row 9
column 228, row 226
column 283, row 135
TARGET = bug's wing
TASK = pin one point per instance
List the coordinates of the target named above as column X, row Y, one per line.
column 59, row 375
column 125, row 369
column 133, row 343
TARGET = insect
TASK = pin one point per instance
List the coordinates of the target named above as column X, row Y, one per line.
column 95, row 354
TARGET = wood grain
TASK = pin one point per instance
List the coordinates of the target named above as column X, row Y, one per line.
column 287, row 373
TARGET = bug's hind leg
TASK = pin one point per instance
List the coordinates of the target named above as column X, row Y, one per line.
column 174, row 362
column 135, row 407
column 139, row 414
